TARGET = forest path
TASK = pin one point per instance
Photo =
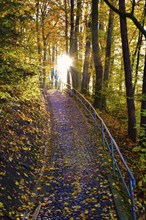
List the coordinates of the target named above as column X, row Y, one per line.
column 76, row 186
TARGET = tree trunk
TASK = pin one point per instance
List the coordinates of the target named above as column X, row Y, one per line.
column 44, row 46
column 44, row 60
column 72, row 26
column 86, row 77
column 74, row 44
column 128, row 74
column 66, row 26
column 137, row 51
column 108, row 55
column 76, row 35
column 143, row 110
column 72, row 41
column 38, row 38
column 96, row 56
column 66, row 37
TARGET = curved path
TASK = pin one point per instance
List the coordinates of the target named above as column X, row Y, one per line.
column 76, row 186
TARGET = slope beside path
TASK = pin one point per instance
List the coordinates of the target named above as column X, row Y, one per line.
column 76, row 183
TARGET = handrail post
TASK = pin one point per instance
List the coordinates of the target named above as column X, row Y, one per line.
column 85, row 107
column 113, row 157
column 90, row 113
column 132, row 184
column 72, row 90
column 102, row 132
column 94, row 121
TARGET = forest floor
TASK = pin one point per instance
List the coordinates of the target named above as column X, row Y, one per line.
column 76, row 183
column 25, row 133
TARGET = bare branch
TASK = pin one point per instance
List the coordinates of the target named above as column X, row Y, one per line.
column 128, row 15
column 133, row 7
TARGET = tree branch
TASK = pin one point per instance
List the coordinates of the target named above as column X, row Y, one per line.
column 128, row 15
column 133, row 7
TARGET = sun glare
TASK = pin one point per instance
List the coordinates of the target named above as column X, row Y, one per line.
column 63, row 64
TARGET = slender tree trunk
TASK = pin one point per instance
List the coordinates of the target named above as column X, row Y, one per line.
column 138, row 48
column 108, row 55
column 37, row 29
column 72, row 26
column 74, row 43
column 128, row 75
column 44, row 48
column 96, row 56
column 76, row 46
column 143, row 110
column 44, row 62
column 38, row 38
column 66, row 36
column 66, row 26
column 76, row 35
column 53, row 54
column 86, row 76
column 44, row 56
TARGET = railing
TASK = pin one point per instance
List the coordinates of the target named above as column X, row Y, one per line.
column 118, row 162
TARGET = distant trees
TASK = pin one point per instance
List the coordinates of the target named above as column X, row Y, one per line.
column 46, row 21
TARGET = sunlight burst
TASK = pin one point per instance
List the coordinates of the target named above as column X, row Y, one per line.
column 63, row 64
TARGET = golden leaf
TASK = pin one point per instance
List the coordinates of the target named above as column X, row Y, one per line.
column 1, row 205
column 3, row 173
column 16, row 183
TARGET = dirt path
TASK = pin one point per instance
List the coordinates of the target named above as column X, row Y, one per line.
column 76, row 185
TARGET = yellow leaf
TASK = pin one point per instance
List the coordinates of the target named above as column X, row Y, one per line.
column 24, row 197
column 3, row 173
column 47, row 184
column 9, row 197
column 16, row 148
column 66, row 209
column 10, row 159
column 38, row 188
column 1, row 205
column 16, row 183
column 26, row 148
column 140, row 183
column 11, row 213
column 22, row 181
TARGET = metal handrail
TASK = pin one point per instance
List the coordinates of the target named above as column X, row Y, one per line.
column 109, row 141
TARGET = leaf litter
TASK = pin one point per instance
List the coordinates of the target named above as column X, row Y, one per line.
column 76, row 186
column 66, row 168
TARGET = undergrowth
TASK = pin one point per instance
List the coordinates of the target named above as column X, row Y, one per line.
column 24, row 130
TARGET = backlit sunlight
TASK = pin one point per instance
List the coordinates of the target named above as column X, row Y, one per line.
column 63, row 64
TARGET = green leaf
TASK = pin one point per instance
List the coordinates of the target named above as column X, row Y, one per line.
column 136, row 149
